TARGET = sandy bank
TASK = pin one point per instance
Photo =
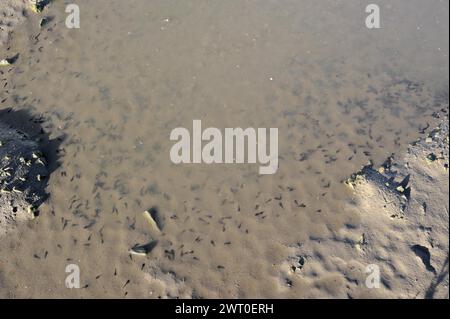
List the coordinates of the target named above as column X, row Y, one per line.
column 404, row 213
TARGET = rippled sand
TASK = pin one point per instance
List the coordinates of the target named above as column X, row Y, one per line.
column 339, row 94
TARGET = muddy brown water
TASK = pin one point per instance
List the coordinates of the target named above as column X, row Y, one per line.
column 339, row 93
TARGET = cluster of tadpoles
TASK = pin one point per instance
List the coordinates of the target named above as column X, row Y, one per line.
column 36, row 6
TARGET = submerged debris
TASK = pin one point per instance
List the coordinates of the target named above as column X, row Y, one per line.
column 44, row 21
column 8, row 61
column 154, row 219
column 38, row 5
column 431, row 157
column 5, row 62
column 143, row 250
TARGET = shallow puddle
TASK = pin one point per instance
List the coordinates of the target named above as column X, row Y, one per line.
column 339, row 94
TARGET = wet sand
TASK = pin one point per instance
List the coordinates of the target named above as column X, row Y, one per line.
column 340, row 94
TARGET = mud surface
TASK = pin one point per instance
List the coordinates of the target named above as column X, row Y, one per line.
column 340, row 94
